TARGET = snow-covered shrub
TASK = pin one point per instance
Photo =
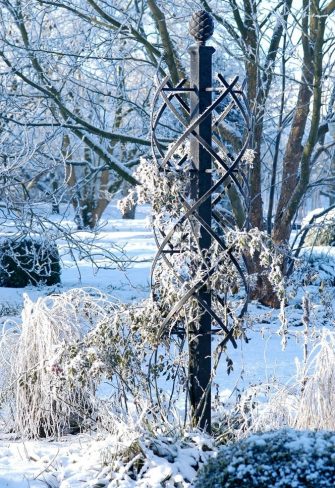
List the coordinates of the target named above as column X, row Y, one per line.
column 280, row 459
column 27, row 261
column 66, row 346
column 70, row 343
column 316, row 267
column 146, row 460
column 321, row 230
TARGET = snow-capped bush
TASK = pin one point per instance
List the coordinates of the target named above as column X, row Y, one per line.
column 316, row 267
column 27, row 261
column 142, row 459
column 321, row 230
column 280, row 459
column 183, row 273
column 66, row 346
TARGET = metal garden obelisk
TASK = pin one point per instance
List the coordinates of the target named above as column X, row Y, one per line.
column 199, row 166
column 201, row 28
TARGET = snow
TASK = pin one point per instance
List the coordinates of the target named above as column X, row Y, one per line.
column 87, row 461
column 134, row 238
column 68, row 463
column 78, row 461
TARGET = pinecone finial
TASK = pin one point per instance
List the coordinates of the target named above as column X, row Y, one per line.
column 201, row 26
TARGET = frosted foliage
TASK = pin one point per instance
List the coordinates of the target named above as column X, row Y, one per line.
column 249, row 157
column 44, row 406
column 159, row 190
column 282, row 459
column 322, row 229
column 168, row 194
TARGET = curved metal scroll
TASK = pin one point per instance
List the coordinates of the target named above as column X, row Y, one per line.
column 171, row 114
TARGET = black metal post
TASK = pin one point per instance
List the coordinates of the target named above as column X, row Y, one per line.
column 201, row 27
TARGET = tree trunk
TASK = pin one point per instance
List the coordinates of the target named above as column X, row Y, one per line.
column 262, row 290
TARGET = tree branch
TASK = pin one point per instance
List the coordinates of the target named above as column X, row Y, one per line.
column 171, row 57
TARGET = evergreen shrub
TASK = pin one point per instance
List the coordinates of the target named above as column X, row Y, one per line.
column 285, row 458
column 28, row 261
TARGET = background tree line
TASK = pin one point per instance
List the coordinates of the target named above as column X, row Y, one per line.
column 77, row 79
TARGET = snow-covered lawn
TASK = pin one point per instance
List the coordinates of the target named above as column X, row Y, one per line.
column 80, row 461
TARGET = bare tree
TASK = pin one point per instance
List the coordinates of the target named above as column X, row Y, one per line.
column 267, row 38
column 81, row 73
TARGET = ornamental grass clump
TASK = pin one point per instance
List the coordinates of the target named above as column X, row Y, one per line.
column 45, row 405
column 306, row 402
column 281, row 459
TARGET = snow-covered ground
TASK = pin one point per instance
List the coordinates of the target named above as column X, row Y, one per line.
column 84, row 461
column 77, row 461
column 133, row 237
